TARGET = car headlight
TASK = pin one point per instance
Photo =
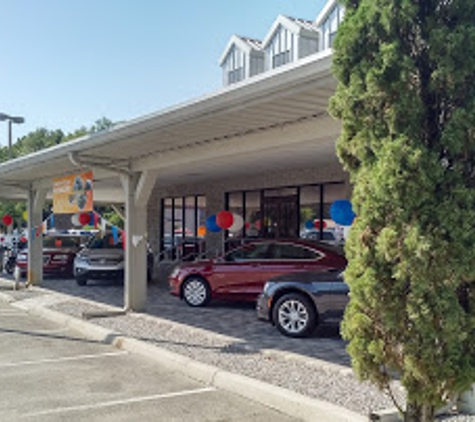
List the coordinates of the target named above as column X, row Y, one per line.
column 175, row 272
column 81, row 260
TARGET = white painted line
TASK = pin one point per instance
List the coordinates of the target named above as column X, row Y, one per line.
column 119, row 402
column 37, row 332
column 12, row 313
column 66, row 359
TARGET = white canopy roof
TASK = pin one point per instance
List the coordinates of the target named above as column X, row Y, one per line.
column 273, row 119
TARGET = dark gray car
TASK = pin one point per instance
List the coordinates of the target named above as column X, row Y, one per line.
column 296, row 303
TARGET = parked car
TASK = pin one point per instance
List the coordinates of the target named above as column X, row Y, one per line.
column 184, row 248
column 327, row 236
column 240, row 274
column 296, row 303
column 59, row 251
column 103, row 259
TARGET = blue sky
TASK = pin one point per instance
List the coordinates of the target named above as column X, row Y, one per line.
column 66, row 63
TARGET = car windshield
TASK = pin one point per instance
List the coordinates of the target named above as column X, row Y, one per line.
column 105, row 242
column 61, row 242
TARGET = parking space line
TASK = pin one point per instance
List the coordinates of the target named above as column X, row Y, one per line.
column 13, row 313
column 119, row 402
column 65, row 359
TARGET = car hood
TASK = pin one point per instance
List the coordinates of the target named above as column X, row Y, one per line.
column 54, row 250
column 102, row 253
column 309, row 277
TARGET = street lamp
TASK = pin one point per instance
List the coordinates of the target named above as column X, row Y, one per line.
column 11, row 119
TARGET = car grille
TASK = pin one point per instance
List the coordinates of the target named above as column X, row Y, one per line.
column 104, row 261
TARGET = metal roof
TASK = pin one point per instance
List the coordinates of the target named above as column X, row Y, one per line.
column 224, row 133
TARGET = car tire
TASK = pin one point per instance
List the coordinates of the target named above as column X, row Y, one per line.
column 196, row 292
column 294, row 315
column 81, row 281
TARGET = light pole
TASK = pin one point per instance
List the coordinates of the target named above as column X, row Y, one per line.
column 11, row 119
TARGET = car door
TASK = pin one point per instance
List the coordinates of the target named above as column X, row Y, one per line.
column 238, row 273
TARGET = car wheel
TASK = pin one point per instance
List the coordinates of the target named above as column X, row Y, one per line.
column 196, row 292
column 294, row 315
column 81, row 281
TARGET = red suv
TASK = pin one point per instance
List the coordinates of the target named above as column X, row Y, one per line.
column 59, row 251
column 241, row 273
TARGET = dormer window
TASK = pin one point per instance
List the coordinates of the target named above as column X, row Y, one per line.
column 234, row 67
column 242, row 58
column 330, row 21
column 288, row 40
column 281, row 48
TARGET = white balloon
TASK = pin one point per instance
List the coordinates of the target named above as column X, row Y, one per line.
column 75, row 220
column 238, row 223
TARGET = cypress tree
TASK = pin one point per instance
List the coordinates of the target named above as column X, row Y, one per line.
column 406, row 100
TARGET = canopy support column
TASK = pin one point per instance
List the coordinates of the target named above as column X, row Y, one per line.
column 137, row 187
column 36, row 201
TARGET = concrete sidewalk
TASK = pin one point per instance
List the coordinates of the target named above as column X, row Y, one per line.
column 282, row 373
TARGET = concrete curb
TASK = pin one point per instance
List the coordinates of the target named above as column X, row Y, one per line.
column 278, row 398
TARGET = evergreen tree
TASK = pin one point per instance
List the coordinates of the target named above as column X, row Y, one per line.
column 406, row 99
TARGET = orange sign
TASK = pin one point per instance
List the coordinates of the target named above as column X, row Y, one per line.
column 72, row 194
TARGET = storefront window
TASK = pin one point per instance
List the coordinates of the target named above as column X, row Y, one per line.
column 288, row 212
column 252, row 218
column 310, row 211
column 280, row 213
column 181, row 220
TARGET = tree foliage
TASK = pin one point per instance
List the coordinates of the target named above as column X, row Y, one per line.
column 406, row 99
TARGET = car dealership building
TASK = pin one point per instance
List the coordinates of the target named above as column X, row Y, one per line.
column 262, row 147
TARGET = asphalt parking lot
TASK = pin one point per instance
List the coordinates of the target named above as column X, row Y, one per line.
column 51, row 373
column 224, row 336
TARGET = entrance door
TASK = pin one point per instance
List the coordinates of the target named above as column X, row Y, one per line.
column 280, row 217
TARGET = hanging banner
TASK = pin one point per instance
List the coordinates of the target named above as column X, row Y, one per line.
column 72, row 194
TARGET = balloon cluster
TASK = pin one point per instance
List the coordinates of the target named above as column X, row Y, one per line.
column 224, row 220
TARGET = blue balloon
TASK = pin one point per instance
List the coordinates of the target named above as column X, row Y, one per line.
column 309, row 225
column 212, row 225
column 341, row 212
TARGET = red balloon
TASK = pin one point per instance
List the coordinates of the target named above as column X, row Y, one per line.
column 224, row 219
column 317, row 224
column 7, row 220
column 84, row 218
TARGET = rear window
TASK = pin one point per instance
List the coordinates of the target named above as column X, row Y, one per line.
column 61, row 242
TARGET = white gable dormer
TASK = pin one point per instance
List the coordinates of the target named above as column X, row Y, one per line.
column 241, row 59
column 328, row 22
column 288, row 40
